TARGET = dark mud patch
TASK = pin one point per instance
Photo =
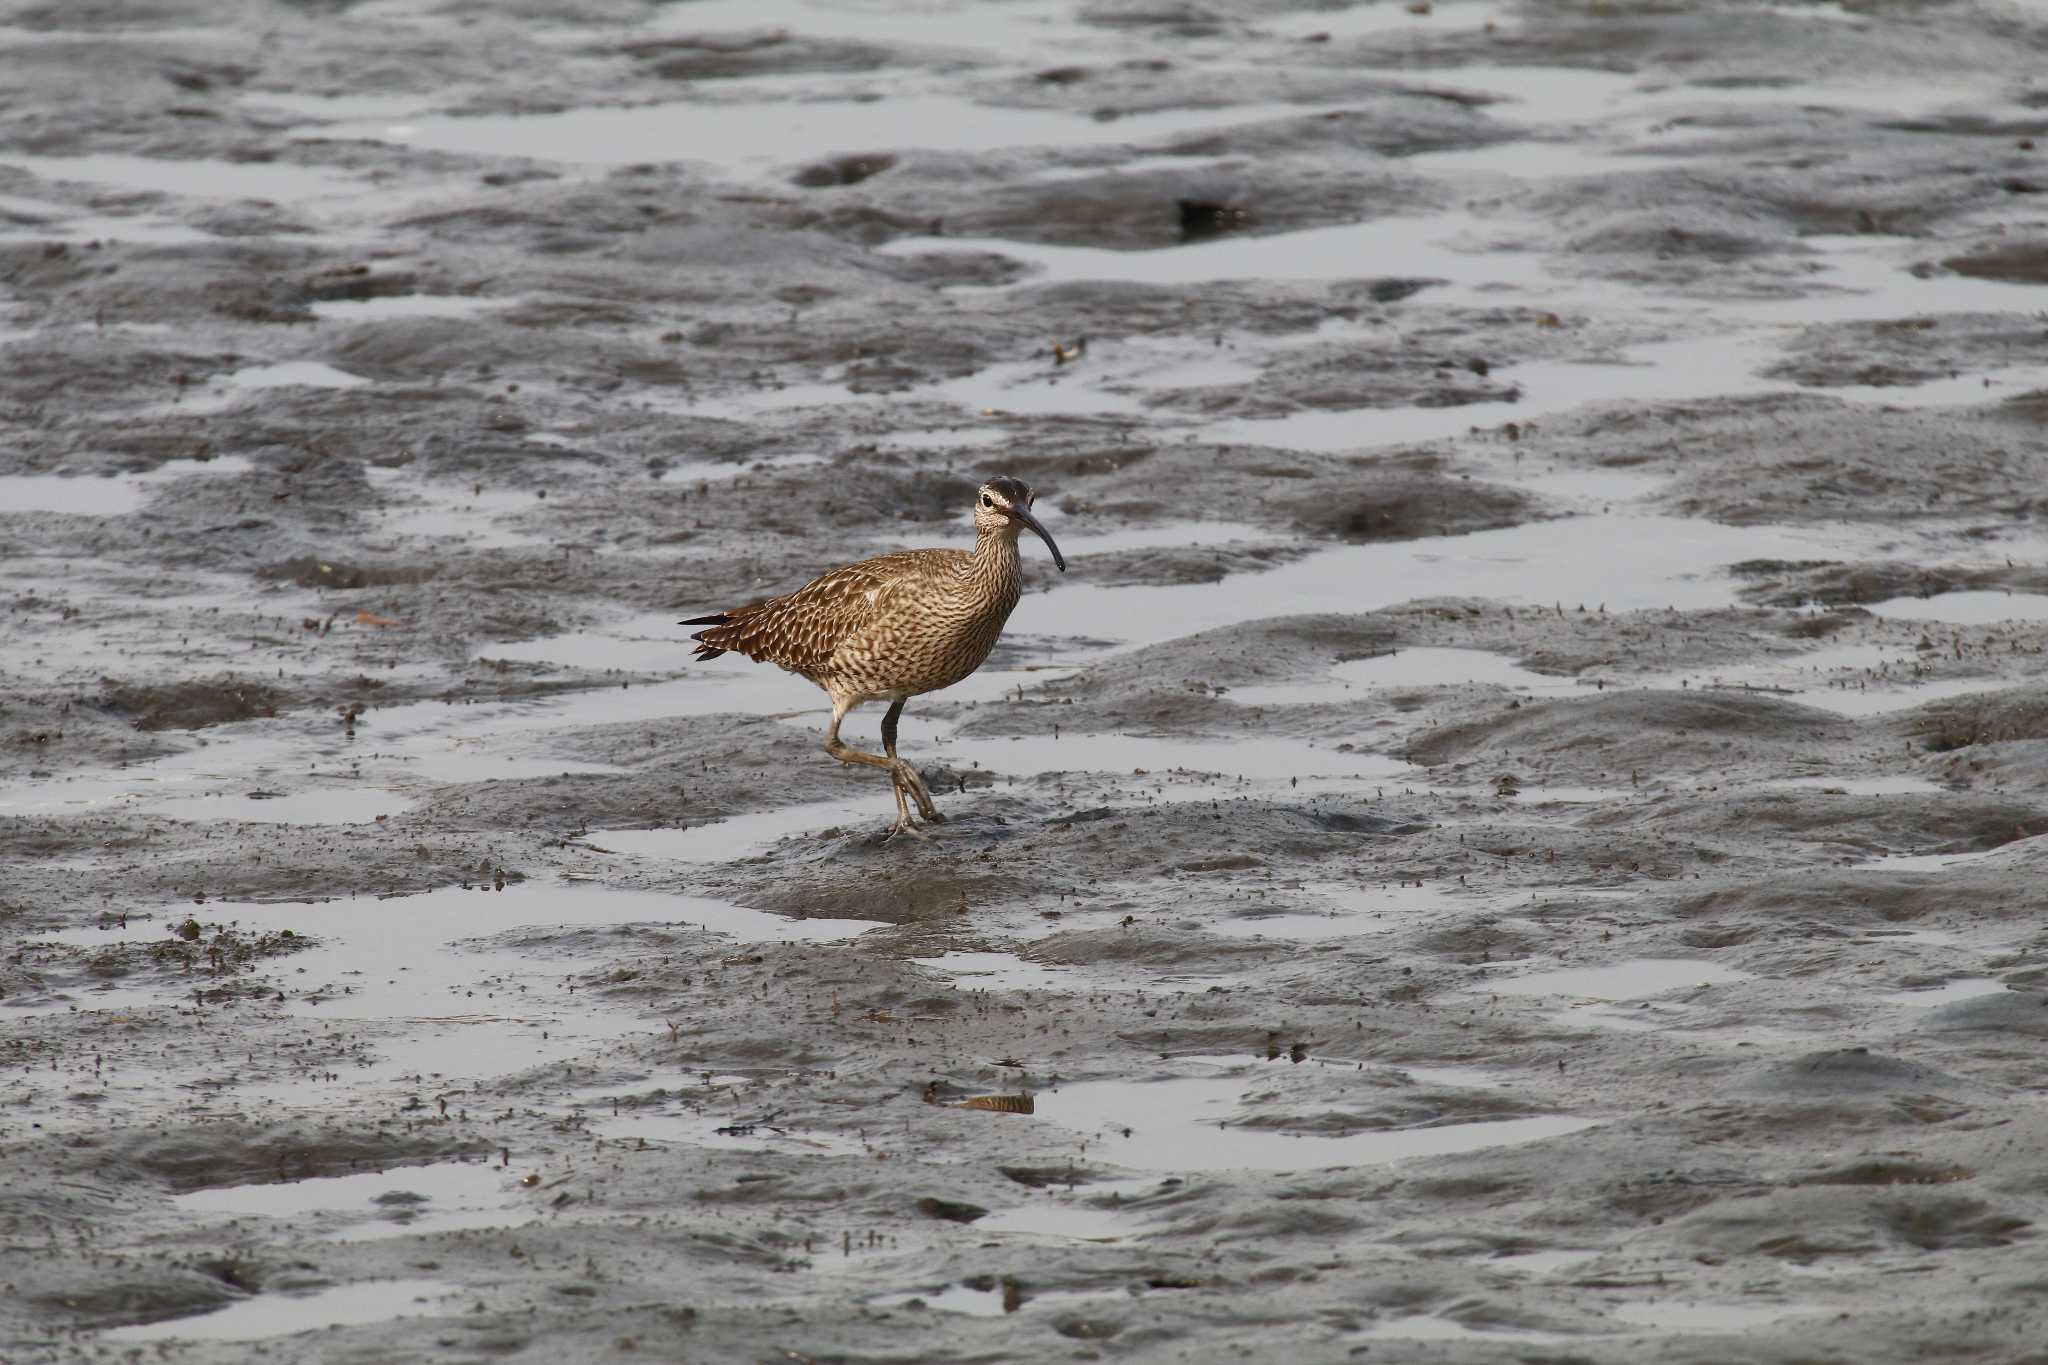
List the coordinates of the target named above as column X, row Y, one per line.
column 108, row 1299
column 309, row 571
column 191, row 705
column 1655, row 734
column 212, row 1155
column 43, row 735
column 1782, row 584
column 1007, row 851
column 1157, row 949
column 1195, row 564
column 716, row 56
column 2017, row 713
column 2016, row 765
column 1904, row 352
column 211, row 962
column 1794, row 458
column 1864, row 825
column 148, row 860
column 2014, row 1015
column 1409, row 509
column 931, row 892
column 2014, row 262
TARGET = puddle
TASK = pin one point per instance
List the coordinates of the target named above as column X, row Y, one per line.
column 63, row 224
column 1966, row 608
column 1849, row 680
column 1009, row 972
column 1423, row 1327
column 364, row 1207
column 1452, row 246
column 1184, row 1124
column 277, row 181
column 468, row 513
column 1420, row 667
column 1671, row 1315
column 406, row 306
column 758, row 136
column 1927, row 862
column 400, row 749
column 1088, row 1213
column 224, row 391
column 1000, row 971
column 276, row 1315
column 1858, row 786
column 1586, row 489
column 1537, row 1263
column 319, row 806
column 1637, row 979
column 463, row 1012
column 738, row 836
column 1964, row 988
column 92, row 496
column 1642, row 563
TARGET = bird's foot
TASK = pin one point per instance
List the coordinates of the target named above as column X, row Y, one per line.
column 906, row 825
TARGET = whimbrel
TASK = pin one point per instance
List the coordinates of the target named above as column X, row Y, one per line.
column 892, row 628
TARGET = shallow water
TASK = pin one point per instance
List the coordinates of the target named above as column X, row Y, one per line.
column 238, row 386
column 1966, row 608
column 1642, row 563
column 1185, row 1123
column 1635, row 980
column 85, row 495
column 410, row 1200
column 429, row 1001
column 276, row 180
column 753, row 137
column 282, row 1314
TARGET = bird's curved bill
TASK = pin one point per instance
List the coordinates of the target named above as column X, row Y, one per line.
column 1023, row 514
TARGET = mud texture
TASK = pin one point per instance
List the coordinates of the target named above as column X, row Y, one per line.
column 1521, row 836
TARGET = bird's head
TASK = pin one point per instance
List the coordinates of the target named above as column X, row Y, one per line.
column 1003, row 505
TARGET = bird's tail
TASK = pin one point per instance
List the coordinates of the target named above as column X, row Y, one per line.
column 705, row 649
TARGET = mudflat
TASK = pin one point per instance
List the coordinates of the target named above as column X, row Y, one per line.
column 1521, row 837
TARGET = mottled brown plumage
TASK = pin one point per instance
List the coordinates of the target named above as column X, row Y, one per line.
column 892, row 627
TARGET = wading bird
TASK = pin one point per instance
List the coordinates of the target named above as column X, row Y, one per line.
column 892, row 628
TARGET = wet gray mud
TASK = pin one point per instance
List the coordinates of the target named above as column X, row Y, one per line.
column 1521, row 836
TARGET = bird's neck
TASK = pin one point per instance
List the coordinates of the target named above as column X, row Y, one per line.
column 995, row 560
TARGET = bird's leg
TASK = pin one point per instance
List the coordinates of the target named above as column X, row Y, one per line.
column 907, row 778
column 846, row 753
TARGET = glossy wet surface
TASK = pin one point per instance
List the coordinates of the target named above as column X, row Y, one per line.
column 1515, row 835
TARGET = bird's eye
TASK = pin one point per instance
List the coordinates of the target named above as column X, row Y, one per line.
column 987, row 501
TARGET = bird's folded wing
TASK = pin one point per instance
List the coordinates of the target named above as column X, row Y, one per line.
column 803, row 630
